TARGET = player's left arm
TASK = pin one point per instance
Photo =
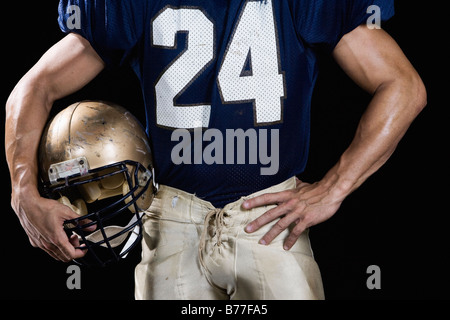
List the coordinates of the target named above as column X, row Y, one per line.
column 377, row 64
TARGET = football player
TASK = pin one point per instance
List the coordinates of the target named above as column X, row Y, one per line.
column 225, row 84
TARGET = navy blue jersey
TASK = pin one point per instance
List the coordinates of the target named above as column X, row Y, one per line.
column 227, row 84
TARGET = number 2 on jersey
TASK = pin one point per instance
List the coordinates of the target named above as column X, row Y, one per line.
column 250, row 71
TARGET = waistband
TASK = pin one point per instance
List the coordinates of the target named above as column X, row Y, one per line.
column 177, row 205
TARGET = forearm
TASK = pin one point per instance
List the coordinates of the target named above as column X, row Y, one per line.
column 393, row 108
column 27, row 110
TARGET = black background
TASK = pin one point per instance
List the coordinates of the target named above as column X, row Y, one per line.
column 397, row 220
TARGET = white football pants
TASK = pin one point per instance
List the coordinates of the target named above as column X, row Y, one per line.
column 193, row 251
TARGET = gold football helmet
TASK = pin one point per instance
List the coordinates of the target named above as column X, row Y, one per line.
column 95, row 158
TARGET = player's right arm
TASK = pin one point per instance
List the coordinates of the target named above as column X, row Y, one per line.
column 63, row 69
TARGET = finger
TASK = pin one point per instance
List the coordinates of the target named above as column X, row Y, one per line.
column 278, row 228
column 68, row 248
column 60, row 246
column 295, row 233
column 75, row 241
column 265, row 218
column 90, row 228
column 266, row 199
column 69, row 253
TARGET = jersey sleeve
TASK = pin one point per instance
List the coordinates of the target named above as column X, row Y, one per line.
column 325, row 22
column 113, row 28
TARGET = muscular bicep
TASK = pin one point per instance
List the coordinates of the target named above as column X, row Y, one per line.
column 63, row 69
column 66, row 67
column 372, row 58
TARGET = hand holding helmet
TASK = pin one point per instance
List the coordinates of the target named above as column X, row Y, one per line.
column 95, row 159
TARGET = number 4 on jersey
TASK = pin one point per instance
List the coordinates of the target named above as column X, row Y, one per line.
column 250, row 71
column 251, row 67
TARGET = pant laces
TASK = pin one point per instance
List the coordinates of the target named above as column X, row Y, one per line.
column 219, row 223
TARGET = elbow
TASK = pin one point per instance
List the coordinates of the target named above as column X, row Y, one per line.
column 423, row 97
column 417, row 93
column 420, row 96
column 408, row 91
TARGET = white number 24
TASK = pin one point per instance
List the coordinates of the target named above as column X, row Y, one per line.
column 250, row 71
